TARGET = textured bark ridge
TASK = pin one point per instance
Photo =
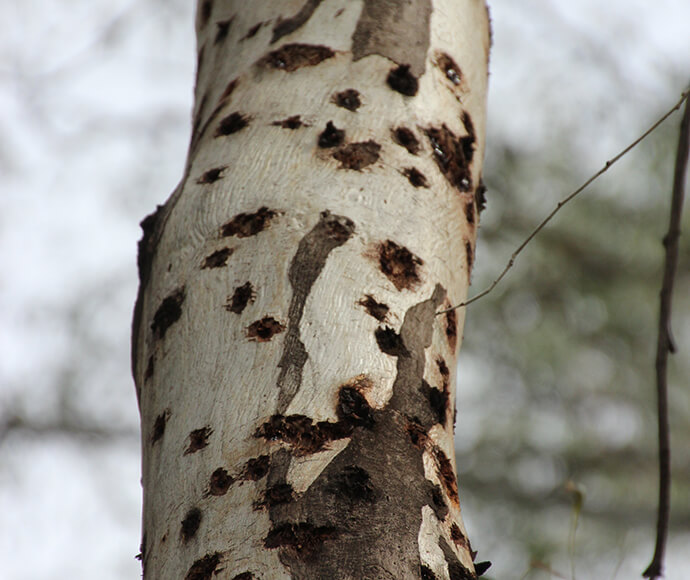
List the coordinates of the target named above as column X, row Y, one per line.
column 296, row 385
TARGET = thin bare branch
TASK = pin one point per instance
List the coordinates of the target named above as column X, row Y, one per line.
column 565, row 200
column 665, row 345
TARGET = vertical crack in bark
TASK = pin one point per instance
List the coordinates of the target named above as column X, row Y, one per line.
column 370, row 496
column 330, row 232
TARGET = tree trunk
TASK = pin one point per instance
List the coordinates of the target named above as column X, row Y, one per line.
column 296, row 384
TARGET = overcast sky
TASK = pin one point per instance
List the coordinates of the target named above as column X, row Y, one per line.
column 95, row 98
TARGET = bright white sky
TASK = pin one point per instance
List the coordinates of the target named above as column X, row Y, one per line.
column 94, row 115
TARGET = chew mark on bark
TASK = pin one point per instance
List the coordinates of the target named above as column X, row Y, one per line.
column 265, row 329
column 353, row 483
column 376, row 309
column 242, row 296
column 469, row 212
column 233, row 123
column 396, row 29
column 198, row 439
column 217, row 259
column 301, row 434
column 244, row 576
column 453, row 155
column 390, row 342
column 220, row 482
column 244, row 225
column 286, row 26
column 190, row 524
column 438, row 401
column 480, row 196
column 356, row 156
column 400, row 79
column 415, row 177
column 293, row 122
column 399, row 265
column 406, row 138
column 227, row 93
column 159, row 426
column 446, row 474
column 222, row 30
column 347, row 99
column 204, row 568
column 168, row 313
column 331, row 136
column 459, row 538
column 303, row 540
column 330, row 232
column 449, row 67
column 251, row 33
column 353, row 407
column 290, row 57
column 212, row 175
column 451, row 328
column 256, row 468
column 149, row 369
column 275, row 495
column 469, row 256
column 205, row 12
column 456, row 570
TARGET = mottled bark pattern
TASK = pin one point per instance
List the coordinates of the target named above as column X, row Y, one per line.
column 295, row 382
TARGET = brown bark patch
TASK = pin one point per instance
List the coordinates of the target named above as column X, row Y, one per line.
column 400, row 79
column 286, row 26
column 244, row 225
column 449, row 67
column 446, row 474
column 264, row 330
column 293, row 122
column 426, row 573
column 399, row 265
column 444, row 372
column 415, row 177
column 452, row 155
column 212, row 175
column 168, row 313
column 458, row 537
column 244, row 576
column 229, row 89
column 217, row 259
column 242, row 296
column 331, row 136
column 303, row 539
column 190, row 524
column 353, row 407
column 159, row 426
column 376, row 309
column 481, row 568
column 256, row 468
column 406, row 138
column 198, row 439
column 456, row 571
column 220, row 482
column 290, row 57
column 417, row 434
column 358, row 155
column 222, row 30
column 233, row 123
column 395, row 29
column 204, row 568
column 347, row 99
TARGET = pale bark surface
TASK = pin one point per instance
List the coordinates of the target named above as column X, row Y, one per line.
column 295, row 383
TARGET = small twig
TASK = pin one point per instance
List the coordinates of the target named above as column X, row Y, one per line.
column 665, row 345
column 565, row 200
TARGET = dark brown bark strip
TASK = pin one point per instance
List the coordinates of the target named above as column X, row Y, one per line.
column 665, row 345
column 330, row 232
column 369, row 499
column 396, row 29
